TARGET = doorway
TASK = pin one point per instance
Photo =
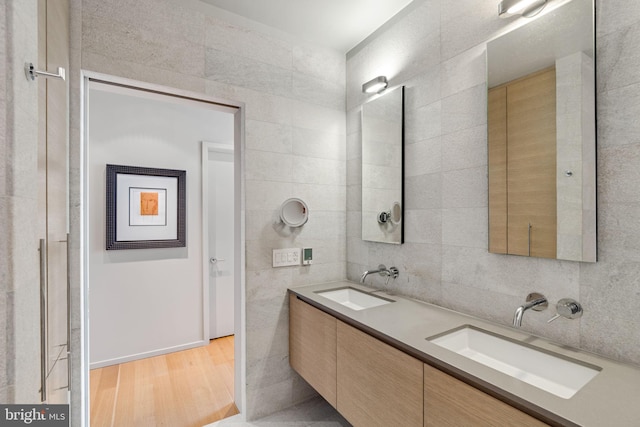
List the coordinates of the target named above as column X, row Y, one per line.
column 146, row 303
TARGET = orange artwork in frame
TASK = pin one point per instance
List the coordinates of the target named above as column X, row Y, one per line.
column 149, row 203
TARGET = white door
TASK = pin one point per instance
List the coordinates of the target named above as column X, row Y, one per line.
column 221, row 227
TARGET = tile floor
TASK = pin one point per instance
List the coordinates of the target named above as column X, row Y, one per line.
column 315, row 412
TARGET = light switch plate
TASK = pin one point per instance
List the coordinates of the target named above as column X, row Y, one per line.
column 286, row 257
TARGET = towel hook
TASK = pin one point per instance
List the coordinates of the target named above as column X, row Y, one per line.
column 31, row 72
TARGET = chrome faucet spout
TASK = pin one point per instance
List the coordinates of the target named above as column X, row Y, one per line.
column 517, row 316
column 390, row 273
column 535, row 301
column 368, row 272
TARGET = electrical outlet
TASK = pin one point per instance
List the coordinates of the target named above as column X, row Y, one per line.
column 286, row 257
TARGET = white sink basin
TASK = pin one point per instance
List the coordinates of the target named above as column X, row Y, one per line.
column 354, row 298
column 554, row 373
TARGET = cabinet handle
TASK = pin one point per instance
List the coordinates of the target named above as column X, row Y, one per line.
column 43, row 319
column 529, row 241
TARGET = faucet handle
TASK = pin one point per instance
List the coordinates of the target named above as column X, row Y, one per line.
column 393, row 273
column 568, row 308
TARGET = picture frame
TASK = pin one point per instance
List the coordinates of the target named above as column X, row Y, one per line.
column 146, row 207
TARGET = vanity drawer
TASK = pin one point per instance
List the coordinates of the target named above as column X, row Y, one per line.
column 312, row 347
column 451, row 402
column 378, row 385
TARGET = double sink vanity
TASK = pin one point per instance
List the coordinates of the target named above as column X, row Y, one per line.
column 383, row 359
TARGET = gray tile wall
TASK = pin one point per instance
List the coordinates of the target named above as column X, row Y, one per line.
column 19, row 291
column 438, row 53
column 4, row 248
column 294, row 147
column 76, row 269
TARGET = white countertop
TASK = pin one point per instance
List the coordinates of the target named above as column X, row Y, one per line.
column 612, row 398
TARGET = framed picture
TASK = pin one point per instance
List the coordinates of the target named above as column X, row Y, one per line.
column 146, row 208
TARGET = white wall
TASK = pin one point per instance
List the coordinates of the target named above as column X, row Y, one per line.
column 146, row 301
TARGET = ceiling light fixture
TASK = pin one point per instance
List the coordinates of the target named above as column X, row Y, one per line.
column 376, row 85
column 526, row 8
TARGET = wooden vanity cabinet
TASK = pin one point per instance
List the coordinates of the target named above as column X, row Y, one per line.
column 378, row 385
column 312, row 347
column 374, row 384
column 451, row 402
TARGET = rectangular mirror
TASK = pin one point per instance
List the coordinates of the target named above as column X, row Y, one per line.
column 382, row 167
column 541, row 136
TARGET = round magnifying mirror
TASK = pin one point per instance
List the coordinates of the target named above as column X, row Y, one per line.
column 294, row 212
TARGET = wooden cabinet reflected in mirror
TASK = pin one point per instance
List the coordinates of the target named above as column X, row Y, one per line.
column 541, row 137
column 522, row 160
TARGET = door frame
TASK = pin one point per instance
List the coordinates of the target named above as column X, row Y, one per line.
column 239, row 233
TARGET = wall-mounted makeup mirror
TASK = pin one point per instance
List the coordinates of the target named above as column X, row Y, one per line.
column 541, row 136
column 294, row 212
column 382, row 167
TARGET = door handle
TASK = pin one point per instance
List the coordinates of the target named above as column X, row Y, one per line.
column 213, row 260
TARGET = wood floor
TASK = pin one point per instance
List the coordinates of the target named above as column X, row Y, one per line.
column 189, row 388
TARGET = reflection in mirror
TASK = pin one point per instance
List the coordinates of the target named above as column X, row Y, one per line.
column 541, row 137
column 382, row 168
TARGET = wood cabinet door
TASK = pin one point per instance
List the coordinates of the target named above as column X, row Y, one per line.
column 497, row 159
column 378, row 385
column 522, row 166
column 531, row 165
column 449, row 402
column 312, row 347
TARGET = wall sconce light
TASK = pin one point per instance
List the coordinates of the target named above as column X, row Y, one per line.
column 376, row 85
column 526, row 8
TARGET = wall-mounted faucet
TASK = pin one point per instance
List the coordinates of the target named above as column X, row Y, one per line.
column 391, row 273
column 535, row 301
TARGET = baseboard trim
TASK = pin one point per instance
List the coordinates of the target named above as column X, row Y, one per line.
column 237, row 418
column 138, row 356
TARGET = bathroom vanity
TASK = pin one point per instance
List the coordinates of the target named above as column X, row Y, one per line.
column 375, row 358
